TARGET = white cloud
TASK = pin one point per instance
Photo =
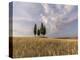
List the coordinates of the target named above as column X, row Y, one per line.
column 53, row 19
column 46, row 8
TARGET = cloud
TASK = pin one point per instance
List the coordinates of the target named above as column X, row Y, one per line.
column 46, row 8
column 55, row 17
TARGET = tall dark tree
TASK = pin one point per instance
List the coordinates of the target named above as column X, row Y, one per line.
column 38, row 32
column 35, row 29
column 43, row 29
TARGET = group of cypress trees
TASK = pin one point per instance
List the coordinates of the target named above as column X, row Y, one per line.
column 40, row 31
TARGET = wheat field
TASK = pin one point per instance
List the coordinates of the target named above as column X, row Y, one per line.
column 36, row 47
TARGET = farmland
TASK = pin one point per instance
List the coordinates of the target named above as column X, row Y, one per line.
column 36, row 47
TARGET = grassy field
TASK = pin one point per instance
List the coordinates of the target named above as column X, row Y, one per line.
column 35, row 47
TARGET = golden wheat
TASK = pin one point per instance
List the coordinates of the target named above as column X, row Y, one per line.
column 33, row 47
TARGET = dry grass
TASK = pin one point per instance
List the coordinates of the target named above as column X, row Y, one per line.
column 33, row 47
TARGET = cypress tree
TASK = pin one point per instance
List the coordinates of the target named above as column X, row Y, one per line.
column 38, row 32
column 35, row 29
column 43, row 29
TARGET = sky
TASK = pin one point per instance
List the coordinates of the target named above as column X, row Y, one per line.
column 60, row 20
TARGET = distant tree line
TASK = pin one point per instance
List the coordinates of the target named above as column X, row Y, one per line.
column 40, row 31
